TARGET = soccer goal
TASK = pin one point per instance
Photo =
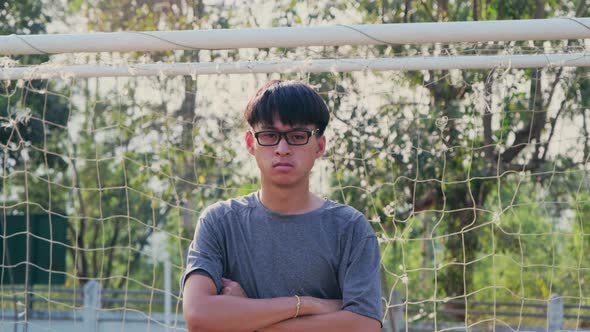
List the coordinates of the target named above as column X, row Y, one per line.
column 466, row 144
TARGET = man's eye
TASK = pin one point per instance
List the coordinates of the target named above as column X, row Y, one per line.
column 269, row 135
column 298, row 135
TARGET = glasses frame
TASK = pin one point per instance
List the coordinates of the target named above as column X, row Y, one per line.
column 283, row 134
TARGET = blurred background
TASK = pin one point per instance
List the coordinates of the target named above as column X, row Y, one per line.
column 475, row 181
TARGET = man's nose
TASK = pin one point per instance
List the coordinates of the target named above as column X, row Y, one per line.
column 283, row 148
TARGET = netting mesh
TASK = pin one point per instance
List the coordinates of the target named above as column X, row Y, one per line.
column 476, row 182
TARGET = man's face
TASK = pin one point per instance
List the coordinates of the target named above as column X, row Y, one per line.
column 283, row 164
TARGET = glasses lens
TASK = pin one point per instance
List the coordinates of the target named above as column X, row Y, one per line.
column 268, row 138
column 297, row 137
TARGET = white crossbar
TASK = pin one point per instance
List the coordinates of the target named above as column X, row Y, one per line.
column 409, row 33
column 306, row 66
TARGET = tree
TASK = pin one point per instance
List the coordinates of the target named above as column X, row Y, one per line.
column 22, row 107
column 426, row 170
column 187, row 162
column 433, row 164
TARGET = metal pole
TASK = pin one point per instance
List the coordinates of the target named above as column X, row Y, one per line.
column 555, row 311
column 307, row 66
column 167, row 292
column 375, row 34
column 92, row 303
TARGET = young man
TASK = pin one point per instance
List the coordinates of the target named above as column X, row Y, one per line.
column 283, row 259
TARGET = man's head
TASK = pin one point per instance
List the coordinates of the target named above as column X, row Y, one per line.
column 293, row 103
column 287, row 121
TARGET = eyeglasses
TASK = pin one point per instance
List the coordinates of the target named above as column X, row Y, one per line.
column 293, row 137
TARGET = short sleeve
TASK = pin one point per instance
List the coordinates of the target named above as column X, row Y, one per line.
column 361, row 279
column 205, row 253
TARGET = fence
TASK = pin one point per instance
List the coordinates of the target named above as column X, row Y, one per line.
column 94, row 309
column 555, row 313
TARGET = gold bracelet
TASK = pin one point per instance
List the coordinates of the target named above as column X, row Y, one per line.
column 298, row 306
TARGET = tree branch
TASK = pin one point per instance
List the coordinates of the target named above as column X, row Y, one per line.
column 533, row 167
column 533, row 129
column 582, row 7
column 554, row 86
column 428, row 11
column 110, row 260
column 487, row 118
column 80, row 236
column 586, row 138
column 142, row 243
column 383, row 10
column 546, row 106
column 443, row 10
column 407, row 8
column 553, row 123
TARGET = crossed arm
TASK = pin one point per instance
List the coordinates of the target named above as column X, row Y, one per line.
column 204, row 310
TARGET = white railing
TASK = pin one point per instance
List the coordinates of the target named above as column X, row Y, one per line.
column 92, row 309
column 408, row 33
column 305, row 66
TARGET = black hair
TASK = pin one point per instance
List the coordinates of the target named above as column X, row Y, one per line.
column 295, row 103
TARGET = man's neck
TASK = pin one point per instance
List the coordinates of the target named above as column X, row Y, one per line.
column 290, row 200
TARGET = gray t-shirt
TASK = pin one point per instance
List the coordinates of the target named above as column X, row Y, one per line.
column 329, row 253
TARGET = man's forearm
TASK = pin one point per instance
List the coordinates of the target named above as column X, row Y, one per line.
column 336, row 321
column 231, row 313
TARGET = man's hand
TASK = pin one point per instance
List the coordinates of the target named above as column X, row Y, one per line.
column 205, row 311
column 232, row 288
column 309, row 305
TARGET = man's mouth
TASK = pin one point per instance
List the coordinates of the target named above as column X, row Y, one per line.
column 282, row 165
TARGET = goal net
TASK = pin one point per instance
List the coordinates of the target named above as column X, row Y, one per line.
column 475, row 180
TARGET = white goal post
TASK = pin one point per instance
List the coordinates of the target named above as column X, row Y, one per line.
column 406, row 33
column 303, row 66
column 475, row 180
column 412, row 33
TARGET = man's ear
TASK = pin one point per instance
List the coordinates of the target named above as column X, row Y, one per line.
column 321, row 146
column 249, row 138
